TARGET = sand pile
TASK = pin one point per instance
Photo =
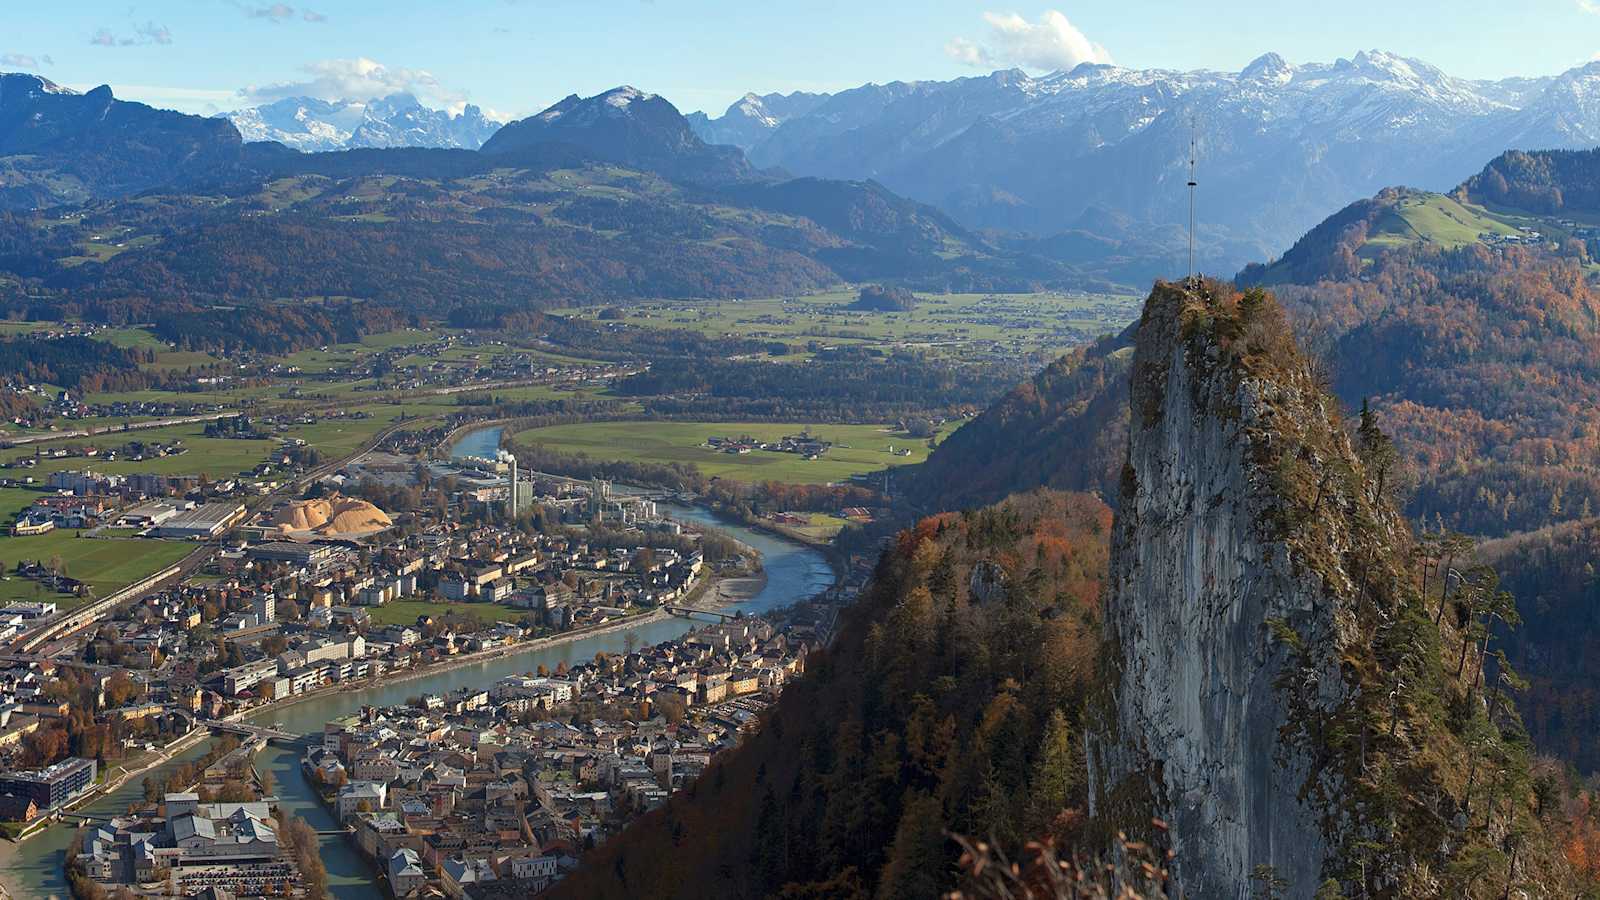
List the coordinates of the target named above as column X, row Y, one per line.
column 331, row 515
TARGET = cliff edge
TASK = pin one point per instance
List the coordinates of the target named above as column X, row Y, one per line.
column 1275, row 690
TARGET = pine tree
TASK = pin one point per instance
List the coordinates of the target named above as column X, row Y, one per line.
column 1056, row 773
column 917, row 859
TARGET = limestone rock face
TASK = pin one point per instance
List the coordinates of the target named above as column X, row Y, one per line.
column 1201, row 589
column 987, row 583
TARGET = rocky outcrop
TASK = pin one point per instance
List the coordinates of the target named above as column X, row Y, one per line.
column 1212, row 606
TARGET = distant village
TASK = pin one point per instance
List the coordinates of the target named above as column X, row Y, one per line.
column 802, row 444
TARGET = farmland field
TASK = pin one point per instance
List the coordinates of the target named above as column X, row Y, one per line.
column 1436, row 219
column 990, row 324
column 857, row 448
column 213, row 457
column 107, row 564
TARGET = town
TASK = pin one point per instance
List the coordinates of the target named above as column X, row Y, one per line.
column 386, row 568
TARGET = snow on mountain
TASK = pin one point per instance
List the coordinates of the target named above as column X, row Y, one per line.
column 18, row 84
column 309, row 124
column 1280, row 143
column 629, row 126
column 1565, row 114
column 752, row 117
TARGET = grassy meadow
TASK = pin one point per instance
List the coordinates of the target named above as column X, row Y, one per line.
column 857, row 448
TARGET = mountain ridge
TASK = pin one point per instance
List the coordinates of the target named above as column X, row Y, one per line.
column 310, row 124
column 626, row 124
column 59, row 145
column 1280, row 144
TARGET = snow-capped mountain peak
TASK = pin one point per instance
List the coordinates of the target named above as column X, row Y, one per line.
column 398, row 120
column 26, row 84
column 623, row 97
column 1268, row 68
column 1281, row 142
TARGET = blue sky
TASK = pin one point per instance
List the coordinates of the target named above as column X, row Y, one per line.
column 516, row 56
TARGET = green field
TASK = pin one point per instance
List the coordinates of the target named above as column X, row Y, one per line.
column 106, row 564
column 857, row 448
column 15, row 500
column 213, row 457
column 965, row 325
column 223, row 457
column 1435, row 219
column 405, row 612
column 821, row 527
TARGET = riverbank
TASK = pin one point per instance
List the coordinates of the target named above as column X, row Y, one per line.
column 446, row 447
column 706, row 599
column 145, row 764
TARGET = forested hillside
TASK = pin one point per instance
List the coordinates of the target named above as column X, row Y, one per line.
column 1065, row 429
column 1483, row 362
column 509, row 238
column 1552, row 573
column 950, row 702
column 1549, row 182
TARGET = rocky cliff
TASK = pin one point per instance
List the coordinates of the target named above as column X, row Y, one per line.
column 1280, row 688
column 1199, row 584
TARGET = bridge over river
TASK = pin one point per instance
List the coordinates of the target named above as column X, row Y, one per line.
column 264, row 732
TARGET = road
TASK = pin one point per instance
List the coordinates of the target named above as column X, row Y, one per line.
column 112, row 429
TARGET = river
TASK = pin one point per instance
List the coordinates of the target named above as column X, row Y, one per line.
column 794, row 572
column 482, row 443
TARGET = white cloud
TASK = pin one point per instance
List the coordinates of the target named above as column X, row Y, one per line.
column 1051, row 43
column 357, row 79
column 24, row 60
column 277, row 12
column 148, row 33
column 1590, row 6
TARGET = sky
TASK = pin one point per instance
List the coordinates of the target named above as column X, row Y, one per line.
column 515, row 57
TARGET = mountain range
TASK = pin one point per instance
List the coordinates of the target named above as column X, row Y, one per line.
column 611, row 197
column 399, row 120
column 1093, row 158
column 753, row 117
column 1083, row 169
